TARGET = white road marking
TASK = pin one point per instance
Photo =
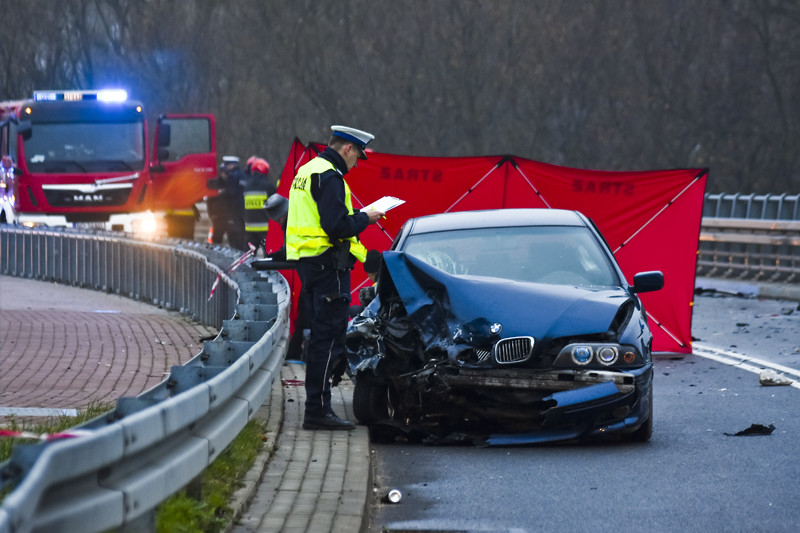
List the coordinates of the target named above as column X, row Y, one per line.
column 743, row 361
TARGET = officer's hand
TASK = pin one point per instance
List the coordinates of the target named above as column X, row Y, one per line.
column 374, row 215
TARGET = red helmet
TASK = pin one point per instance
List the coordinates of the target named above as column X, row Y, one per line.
column 250, row 161
column 260, row 165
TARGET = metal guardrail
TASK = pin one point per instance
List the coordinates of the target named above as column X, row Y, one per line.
column 747, row 249
column 752, row 206
column 134, row 457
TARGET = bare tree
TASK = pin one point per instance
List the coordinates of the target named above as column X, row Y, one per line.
column 621, row 85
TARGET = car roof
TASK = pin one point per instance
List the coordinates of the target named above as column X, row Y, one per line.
column 495, row 218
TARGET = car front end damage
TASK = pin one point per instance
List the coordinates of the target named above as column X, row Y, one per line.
column 449, row 358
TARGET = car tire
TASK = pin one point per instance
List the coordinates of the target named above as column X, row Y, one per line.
column 369, row 400
column 645, row 431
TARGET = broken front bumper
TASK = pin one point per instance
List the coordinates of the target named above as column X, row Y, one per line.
column 580, row 403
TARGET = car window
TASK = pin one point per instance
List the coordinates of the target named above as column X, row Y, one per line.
column 558, row 255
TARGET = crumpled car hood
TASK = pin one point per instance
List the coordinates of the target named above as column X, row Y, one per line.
column 442, row 306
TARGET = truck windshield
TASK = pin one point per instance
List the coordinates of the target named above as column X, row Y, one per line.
column 77, row 147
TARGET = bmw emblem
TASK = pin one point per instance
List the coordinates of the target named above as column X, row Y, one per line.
column 496, row 328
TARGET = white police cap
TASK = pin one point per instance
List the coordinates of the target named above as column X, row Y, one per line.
column 230, row 159
column 358, row 137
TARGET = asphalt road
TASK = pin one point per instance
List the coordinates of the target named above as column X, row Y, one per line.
column 691, row 476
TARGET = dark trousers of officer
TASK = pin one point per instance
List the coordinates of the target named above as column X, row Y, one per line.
column 327, row 304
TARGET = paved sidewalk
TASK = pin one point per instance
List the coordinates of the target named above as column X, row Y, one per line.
column 315, row 480
column 66, row 348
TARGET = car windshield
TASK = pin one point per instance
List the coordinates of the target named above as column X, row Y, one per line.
column 559, row 255
column 76, row 147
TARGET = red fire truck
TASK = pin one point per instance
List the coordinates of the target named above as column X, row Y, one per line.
column 77, row 157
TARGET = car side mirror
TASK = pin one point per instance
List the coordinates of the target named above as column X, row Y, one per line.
column 648, row 281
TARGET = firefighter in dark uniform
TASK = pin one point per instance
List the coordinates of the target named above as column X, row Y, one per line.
column 322, row 234
column 257, row 187
column 228, row 209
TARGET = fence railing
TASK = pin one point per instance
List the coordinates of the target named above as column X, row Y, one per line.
column 750, row 237
column 126, row 462
column 753, row 206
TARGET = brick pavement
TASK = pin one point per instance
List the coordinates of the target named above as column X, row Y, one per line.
column 67, row 348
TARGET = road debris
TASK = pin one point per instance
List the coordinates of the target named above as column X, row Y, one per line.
column 393, row 496
column 770, row 378
column 754, row 429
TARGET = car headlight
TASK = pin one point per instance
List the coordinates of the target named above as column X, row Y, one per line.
column 581, row 354
column 598, row 355
column 607, row 355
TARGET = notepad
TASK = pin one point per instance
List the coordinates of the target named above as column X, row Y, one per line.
column 385, row 203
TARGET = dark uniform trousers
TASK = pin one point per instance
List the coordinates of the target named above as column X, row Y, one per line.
column 327, row 305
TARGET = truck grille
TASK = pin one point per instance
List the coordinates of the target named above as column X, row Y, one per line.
column 76, row 198
column 513, row 350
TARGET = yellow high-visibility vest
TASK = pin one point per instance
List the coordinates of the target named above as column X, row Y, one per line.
column 255, row 217
column 304, row 234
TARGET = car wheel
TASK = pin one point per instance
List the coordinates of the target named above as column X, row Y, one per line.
column 369, row 400
column 645, row 431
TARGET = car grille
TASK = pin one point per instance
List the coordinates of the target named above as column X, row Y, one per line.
column 513, row 350
column 482, row 354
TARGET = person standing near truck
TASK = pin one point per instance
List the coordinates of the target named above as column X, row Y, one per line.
column 228, row 209
column 322, row 234
column 257, row 187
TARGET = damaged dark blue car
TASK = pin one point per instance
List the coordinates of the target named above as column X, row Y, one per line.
column 503, row 327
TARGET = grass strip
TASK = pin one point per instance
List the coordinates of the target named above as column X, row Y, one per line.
column 211, row 513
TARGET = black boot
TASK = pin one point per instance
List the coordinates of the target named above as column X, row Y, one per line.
column 326, row 421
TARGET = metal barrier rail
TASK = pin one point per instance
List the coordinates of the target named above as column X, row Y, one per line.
column 750, row 249
column 753, row 206
column 134, row 457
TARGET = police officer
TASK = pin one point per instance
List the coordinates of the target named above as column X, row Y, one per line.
column 322, row 233
column 257, row 188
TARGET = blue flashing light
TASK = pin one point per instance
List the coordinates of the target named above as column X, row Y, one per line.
column 104, row 95
column 45, row 96
column 112, row 95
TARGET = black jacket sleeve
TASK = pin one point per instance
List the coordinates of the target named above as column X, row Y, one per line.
column 334, row 219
